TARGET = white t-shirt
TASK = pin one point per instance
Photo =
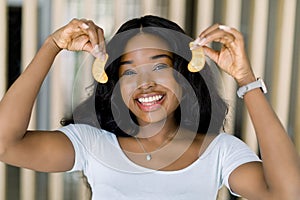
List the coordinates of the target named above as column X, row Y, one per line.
column 112, row 175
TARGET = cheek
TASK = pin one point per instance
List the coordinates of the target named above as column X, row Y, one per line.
column 171, row 84
column 127, row 88
column 177, row 92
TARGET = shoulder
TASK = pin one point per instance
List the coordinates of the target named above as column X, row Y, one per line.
column 224, row 140
column 84, row 129
column 226, row 137
column 231, row 151
column 84, row 133
column 234, row 152
column 228, row 140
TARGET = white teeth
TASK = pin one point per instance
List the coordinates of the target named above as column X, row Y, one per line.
column 150, row 99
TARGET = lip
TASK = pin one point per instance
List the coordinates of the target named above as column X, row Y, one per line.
column 150, row 102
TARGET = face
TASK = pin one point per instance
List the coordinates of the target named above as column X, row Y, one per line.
column 147, row 83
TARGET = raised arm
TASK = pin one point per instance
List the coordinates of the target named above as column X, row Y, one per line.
column 278, row 176
column 42, row 150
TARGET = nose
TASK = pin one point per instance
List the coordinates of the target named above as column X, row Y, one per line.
column 145, row 81
column 147, row 85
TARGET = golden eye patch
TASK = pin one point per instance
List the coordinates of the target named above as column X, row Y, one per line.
column 98, row 70
column 198, row 58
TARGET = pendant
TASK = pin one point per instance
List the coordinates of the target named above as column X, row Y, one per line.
column 148, row 157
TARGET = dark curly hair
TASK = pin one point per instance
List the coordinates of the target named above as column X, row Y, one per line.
column 204, row 114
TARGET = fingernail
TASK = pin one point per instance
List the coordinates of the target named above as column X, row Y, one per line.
column 223, row 27
column 85, row 26
column 202, row 41
column 199, row 41
column 196, row 41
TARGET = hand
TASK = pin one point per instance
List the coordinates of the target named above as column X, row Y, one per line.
column 80, row 35
column 232, row 57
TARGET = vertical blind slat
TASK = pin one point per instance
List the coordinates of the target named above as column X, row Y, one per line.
column 283, row 66
column 297, row 113
column 119, row 11
column 3, row 47
column 257, row 58
column 29, row 45
column 204, row 19
column 56, row 186
column 296, row 124
column 232, row 18
column 204, row 15
column 149, row 7
column 177, row 12
column 3, row 79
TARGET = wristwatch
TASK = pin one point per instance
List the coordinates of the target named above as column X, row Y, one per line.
column 259, row 83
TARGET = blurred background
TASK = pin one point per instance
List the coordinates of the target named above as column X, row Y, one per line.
column 272, row 33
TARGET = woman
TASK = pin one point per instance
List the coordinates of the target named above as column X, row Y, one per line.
column 159, row 135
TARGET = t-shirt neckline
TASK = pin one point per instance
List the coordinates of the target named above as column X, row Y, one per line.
column 187, row 168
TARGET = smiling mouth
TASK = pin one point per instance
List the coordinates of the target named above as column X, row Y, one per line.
column 150, row 99
column 150, row 103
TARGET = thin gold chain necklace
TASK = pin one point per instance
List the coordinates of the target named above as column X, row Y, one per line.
column 148, row 154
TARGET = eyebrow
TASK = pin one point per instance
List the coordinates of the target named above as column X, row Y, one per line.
column 126, row 62
column 162, row 56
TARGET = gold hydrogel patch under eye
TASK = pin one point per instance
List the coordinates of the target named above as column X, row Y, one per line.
column 198, row 58
column 98, row 70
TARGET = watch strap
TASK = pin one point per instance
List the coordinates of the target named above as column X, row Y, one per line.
column 259, row 83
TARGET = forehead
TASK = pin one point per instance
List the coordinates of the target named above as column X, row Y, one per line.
column 145, row 41
column 142, row 56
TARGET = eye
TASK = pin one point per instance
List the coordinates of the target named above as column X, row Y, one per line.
column 128, row 72
column 160, row 66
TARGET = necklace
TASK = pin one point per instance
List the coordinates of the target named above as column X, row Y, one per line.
column 148, row 154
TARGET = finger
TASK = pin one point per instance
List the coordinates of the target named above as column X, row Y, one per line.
column 66, row 34
column 227, row 39
column 212, row 54
column 96, row 38
column 84, row 26
column 92, row 32
column 239, row 39
column 201, row 39
column 219, row 33
column 99, row 50
column 208, row 30
column 232, row 31
column 78, row 28
column 83, row 43
column 102, row 45
column 78, row 25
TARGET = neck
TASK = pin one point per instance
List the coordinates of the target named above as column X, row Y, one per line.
column 159, row 131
